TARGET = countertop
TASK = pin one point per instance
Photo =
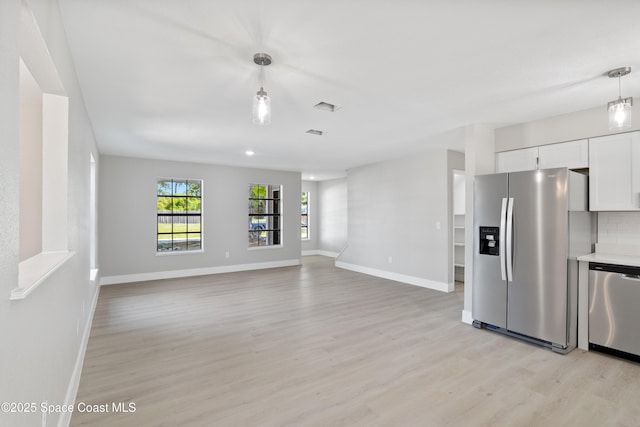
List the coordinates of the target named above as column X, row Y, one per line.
column 607, row 258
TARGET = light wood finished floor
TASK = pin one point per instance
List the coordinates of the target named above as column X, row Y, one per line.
column 318, row 346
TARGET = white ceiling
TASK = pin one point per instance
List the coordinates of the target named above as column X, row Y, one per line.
column 173, row 79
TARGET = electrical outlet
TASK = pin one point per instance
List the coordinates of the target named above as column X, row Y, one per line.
column 438, row 226
column 390, row 260
column 226, row 254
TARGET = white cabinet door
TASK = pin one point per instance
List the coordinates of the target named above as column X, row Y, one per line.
column 614, row 173
column 572, row 155
column 517, row 160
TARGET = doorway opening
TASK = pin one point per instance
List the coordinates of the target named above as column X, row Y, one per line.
column 459, row 183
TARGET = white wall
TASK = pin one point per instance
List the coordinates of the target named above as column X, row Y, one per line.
column 42, row 335
column 399, row 219
column 9, row 206
column 459, row 192
column 127, row 211
column 332, row 213
column 310, row 245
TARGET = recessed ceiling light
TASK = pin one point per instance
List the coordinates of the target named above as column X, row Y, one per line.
column 249, row 153
column 315, row 132
column 325, row 106
column 312, row 177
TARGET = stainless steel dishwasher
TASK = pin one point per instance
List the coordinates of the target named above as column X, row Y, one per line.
column 614, row 309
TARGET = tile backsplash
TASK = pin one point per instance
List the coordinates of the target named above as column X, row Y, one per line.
column 619, row 228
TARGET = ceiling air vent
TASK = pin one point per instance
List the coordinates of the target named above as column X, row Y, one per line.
column 315, row 132
column 325, row 106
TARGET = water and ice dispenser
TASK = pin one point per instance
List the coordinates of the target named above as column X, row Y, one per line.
column 490, row 240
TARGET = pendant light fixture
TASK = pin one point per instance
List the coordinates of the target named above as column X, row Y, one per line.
column 261, row 101
column 620, row 109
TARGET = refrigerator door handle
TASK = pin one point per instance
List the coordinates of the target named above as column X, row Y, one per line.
column 509, row 242
column 503, row 241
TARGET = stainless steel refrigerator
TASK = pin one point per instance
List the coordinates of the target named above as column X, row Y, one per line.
column 529, row 227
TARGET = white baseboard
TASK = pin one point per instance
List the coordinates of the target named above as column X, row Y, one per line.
column 319, row 252
column 467, row 317
column 172, row 274
column 411, row 280
column 74, row 382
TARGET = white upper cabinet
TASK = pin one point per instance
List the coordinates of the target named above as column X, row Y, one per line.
column 614, row 173
column 517, row 160
column 572, row 155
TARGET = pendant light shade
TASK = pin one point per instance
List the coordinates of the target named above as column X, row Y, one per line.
column 620, row 113
column 261, row 108
column 620, row 109
column 261, row 101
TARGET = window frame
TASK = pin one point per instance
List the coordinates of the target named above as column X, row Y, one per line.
column 267, row 226
column 197, row 214
column 304, row 214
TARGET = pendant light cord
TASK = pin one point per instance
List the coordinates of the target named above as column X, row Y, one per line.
column 261, row 77
column 619, row 87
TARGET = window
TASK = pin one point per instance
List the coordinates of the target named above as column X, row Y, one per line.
column 304, row 215
column 179, row 205
column 264, row 215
